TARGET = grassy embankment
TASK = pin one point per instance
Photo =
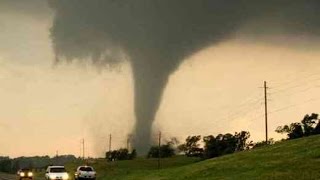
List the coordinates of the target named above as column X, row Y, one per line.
column 294, row 159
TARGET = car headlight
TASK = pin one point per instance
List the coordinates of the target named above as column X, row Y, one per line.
column 52, row 176
column 65, row 176
column 22, row 174
column 30, row 174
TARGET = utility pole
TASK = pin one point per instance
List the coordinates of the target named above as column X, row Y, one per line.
column 57, row 153
column 128, row 142
column 159, row 146
column 80, row 152
column 110, row 138
column 266, row 109
column 83, row 148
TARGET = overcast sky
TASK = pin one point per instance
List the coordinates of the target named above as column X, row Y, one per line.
column 47, row 107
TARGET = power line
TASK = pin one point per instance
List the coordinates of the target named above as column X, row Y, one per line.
column 296, row 85
column 295, row 80
column 257, row 114
column 245, row 105
column 294, row 105
column 301, row 91
column 250, row 99
column 244, row 110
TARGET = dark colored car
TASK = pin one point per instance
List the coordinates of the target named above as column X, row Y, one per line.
column 25, row 173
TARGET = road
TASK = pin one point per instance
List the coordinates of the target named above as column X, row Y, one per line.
column 4, row 176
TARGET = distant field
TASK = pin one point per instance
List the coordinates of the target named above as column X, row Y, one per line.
column 295, row 159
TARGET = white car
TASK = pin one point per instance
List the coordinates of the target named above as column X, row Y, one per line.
column 85, row 172
column 56, row 173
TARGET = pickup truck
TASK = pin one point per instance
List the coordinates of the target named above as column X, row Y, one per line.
column 85, row 172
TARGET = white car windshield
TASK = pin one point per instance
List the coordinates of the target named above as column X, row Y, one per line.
column 57, row 170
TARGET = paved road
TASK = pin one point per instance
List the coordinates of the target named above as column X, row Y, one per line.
column 4, row 176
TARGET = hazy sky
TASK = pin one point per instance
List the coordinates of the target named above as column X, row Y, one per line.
column 45, row 108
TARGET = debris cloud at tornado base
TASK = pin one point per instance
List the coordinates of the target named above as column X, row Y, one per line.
column 155, row 36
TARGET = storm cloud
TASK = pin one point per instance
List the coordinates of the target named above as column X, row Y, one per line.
column 155, row 36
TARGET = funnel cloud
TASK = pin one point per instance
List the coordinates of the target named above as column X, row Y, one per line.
column 155, row 36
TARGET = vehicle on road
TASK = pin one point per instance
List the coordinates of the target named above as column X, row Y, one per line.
column 25, row 173
column 85, row 172
column 56, row 173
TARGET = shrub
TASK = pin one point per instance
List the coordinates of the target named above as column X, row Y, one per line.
column 165, row 151
column 263, row 143
column 120, row 154
column 225, row 144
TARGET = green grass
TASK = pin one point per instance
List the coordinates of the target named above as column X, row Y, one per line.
column 295, row 159
column 124, row 169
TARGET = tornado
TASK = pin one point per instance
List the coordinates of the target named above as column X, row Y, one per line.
column 158, row 35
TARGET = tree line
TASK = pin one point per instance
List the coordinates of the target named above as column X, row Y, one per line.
column 9, row 165
column 214, row 146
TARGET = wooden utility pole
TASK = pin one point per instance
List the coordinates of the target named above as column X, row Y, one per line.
column 159, row 146
column 266, row 109
column 128, row 142
column 80, row 152
column 110, row 138
column 83, row 150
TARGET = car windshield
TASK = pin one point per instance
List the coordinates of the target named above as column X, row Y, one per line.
column 25, row 169
column 57, row 169
column 86, row 169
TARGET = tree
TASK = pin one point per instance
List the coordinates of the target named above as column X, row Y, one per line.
column 317, row 129
column 308, row 123
column 166, row 150
column 5, row 165
column 307, row 127
column 225, row 144
column 242, row 139
column 294, row 130
column 192, row 147
column 121, row 154
column 133, row 154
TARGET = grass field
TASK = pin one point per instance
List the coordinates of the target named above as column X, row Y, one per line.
column 295, row 159
column 124, row 169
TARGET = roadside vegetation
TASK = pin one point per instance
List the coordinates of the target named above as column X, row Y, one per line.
column 38, row 163
column 294, row 159
column 224, row 156
column 126, row 168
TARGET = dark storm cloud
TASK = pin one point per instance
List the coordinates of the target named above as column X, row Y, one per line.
column 157, row 35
